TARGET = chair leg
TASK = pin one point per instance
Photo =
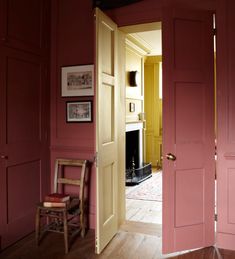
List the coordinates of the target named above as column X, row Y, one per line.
column 65, row 223
column 82, row 224
column 37, row 226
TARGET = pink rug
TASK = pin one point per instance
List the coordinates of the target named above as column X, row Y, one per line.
column 150, row 189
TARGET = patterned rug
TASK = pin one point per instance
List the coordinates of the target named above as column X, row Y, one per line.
column 150, row 189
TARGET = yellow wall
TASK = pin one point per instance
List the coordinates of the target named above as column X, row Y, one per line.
column 146, row 100
column 153, row 110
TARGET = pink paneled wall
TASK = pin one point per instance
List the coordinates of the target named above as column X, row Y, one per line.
column 72, row 43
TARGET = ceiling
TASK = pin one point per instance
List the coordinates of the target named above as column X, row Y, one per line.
column 110, row 4
column 150, row 40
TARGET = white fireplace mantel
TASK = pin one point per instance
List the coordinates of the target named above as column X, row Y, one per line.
column 134, row 126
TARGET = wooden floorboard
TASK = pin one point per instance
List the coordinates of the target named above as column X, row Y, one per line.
column 51, row 247
column 142, row 228
column 133, row 241
column 144, row 211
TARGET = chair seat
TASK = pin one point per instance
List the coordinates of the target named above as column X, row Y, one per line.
column 73, row 204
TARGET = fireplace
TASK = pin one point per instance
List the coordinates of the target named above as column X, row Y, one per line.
column 136, row 170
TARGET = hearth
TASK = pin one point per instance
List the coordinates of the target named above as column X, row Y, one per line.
column 138, row 175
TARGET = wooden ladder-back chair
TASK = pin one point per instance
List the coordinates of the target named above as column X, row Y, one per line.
column 72, row 218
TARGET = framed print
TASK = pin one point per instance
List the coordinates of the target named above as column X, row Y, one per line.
column 80, row 111
column 131, row 107
column 77, row 81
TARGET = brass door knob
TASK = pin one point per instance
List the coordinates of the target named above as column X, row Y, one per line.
column 171, row 157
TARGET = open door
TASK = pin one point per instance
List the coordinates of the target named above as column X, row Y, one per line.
column 106, row 135
column 188, row 124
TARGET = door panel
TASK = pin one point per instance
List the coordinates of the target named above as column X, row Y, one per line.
column 188, row 118
column 107, row 129
column 23, row 24
column 106, row 136
column 18, row 189
column 226, row 124
column 23, row 142
column 187, row 184
column 20, row 75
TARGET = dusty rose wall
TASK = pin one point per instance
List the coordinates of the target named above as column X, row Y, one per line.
column 72, row 43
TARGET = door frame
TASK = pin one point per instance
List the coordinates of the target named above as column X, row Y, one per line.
column 121, row 178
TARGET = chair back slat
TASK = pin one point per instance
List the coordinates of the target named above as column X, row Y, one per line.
column 68, row 181
column 71, row 162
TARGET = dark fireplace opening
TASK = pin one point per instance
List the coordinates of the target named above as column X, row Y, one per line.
column 136, row 170
column 132, row 149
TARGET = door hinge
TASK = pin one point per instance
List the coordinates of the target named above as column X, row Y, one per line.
column 96, row 245
column 95, row 16
column 96, row 159
column 216, row 217
column 214, row 32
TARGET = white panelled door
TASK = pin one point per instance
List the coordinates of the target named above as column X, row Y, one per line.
column 106, row 134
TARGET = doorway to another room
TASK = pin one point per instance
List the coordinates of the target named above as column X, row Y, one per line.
column 144, row 124
column 188, row 109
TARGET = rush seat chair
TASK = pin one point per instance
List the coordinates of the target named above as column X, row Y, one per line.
column 71, row 219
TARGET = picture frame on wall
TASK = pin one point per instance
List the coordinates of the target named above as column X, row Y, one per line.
column 77, row 80
column 132, row 107
column 79, row 111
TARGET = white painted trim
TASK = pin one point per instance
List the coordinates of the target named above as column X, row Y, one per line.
column 134, row 126
column 132, row 46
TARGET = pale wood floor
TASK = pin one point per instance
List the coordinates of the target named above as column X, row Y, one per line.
column 133, row 241
column 143, row 210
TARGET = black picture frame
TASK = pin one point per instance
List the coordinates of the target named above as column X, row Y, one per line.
column 79, row 111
